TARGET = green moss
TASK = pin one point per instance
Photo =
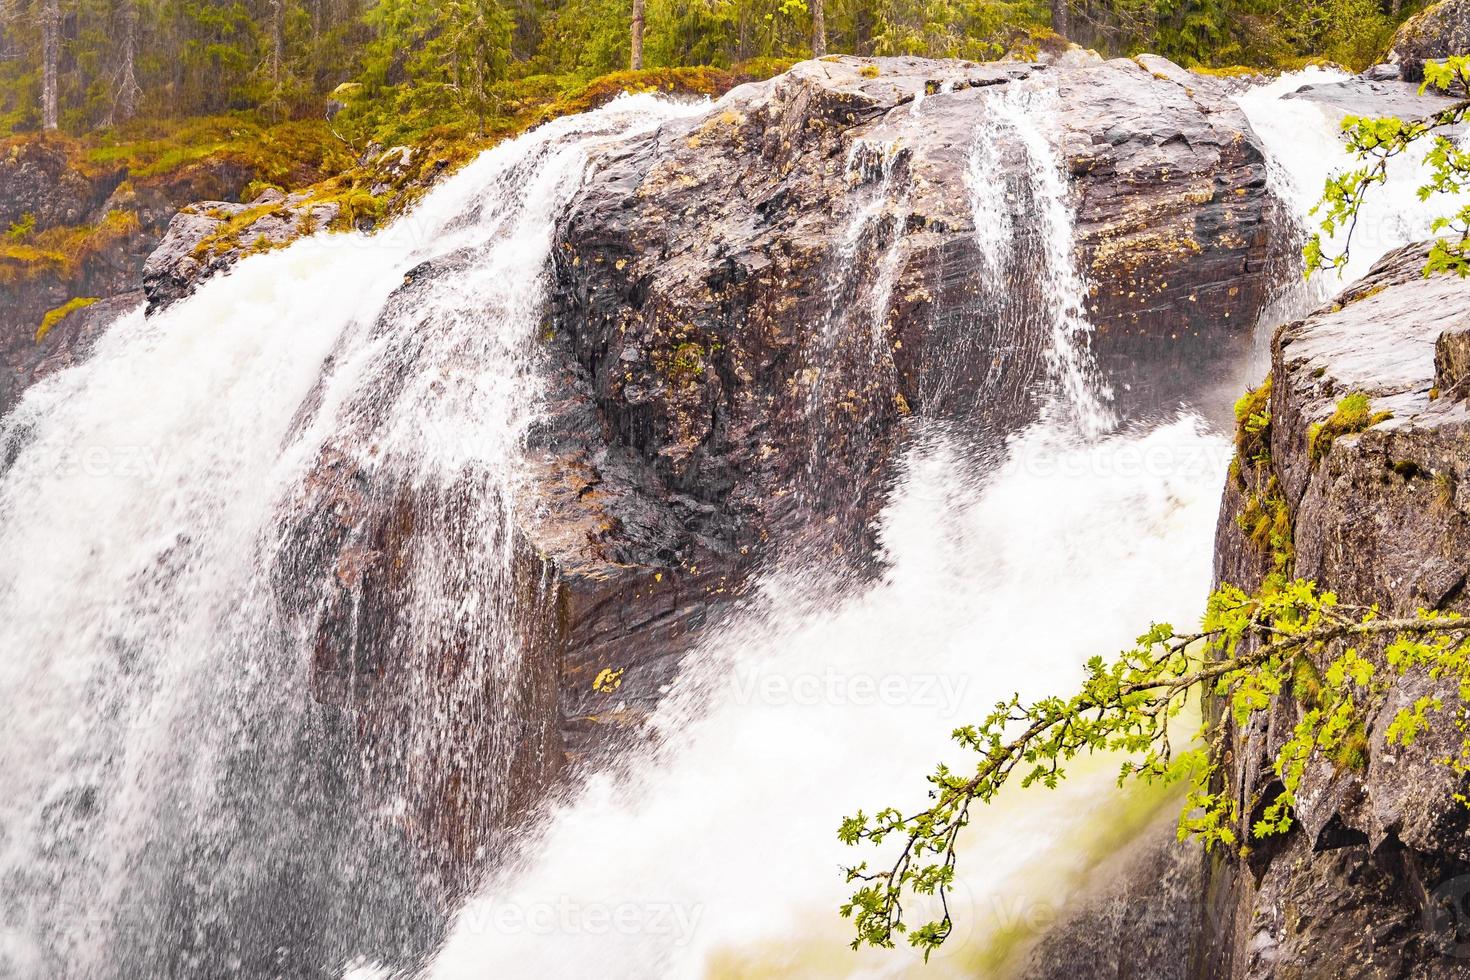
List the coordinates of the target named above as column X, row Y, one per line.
column 53, row 317
column 354, row 204
column 64, row 251
column 1352, row 751
column 1306, row 682
column 291, row 153
column 1354, row 413
column 1252, row 431
column 1408, row 469
column 1266, row 520
column 869, row 71
column 256, row 188
column 21, row 230
column 686, row 365
column 1265, row 516
column 228, row 235
column 21, row 263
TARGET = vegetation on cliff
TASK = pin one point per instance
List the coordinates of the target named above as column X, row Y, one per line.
column 1251, row 648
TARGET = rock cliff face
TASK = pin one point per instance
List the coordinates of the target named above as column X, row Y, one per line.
column 754, row 304
column 1438, row 31
column 751, row 310
column 1372, row 880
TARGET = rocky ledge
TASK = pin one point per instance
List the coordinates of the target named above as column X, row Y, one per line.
column 1371, row 882
column 1438, row 31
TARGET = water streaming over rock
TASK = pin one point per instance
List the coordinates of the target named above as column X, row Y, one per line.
column 198, row 783
column 274, row 635
column 1304, row 141
column 714, row 854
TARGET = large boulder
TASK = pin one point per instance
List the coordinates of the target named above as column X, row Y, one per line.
column 1439, row 31
column 209, row 237
column 761, row 295
column 1370, row 881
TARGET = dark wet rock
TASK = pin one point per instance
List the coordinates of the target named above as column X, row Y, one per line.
column 37, row 179
column 71, row 340
column 1357, row 888
column 208, row 238
column 1439, row 31
column 1138, row 919
column 761, row 295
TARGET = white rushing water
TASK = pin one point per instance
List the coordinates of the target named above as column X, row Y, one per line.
column 717, row 856
column 1303, row 139
column 166, row 780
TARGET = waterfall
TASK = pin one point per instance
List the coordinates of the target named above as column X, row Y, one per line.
column 1023, row 114
column 190, row 785
column 215, row 761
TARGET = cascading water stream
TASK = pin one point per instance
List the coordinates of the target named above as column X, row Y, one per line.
column 1305, row 146
column 180, row 795
column 1024, row 114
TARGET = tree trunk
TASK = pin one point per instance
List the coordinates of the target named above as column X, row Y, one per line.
column 126, row 90
column 1060, row 19
column 819, row 28
column 50, row 60
column 636, row 60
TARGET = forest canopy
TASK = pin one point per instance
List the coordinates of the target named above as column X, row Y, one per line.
column 80, row 65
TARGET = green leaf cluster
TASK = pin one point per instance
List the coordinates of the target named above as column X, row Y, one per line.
column 1376, row 143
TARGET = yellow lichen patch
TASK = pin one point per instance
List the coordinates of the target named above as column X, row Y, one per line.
column 1365, row 294
column 53, row 317
column 65, row 250
column 1232, row 71
column 608, row 680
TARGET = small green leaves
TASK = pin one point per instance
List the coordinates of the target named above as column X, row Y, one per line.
column 1289, row 638
column 1376, row 142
